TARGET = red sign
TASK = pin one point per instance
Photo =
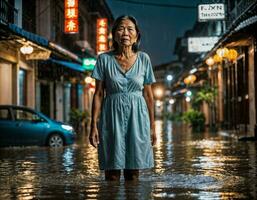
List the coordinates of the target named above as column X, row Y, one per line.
column 71, row 23
column 101, row 35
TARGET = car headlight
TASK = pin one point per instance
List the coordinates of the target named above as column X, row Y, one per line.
column 67, row 127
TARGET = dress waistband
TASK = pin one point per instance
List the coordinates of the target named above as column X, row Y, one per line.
column 125, row 93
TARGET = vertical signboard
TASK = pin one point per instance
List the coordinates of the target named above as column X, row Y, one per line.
column 101, row 35
column 71, row 24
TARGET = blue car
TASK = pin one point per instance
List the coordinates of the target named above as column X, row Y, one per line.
column 22, row 126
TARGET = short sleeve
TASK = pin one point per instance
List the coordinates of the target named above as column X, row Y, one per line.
column 98, row 72
column 149, row 75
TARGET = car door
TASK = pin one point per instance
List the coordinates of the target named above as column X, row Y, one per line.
column 30, row 127
column 7, row 125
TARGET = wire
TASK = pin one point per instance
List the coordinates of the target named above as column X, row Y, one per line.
column 157, row 4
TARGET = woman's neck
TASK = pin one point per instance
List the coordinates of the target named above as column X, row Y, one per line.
column 125, row 51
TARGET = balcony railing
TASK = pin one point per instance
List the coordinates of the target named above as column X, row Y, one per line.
column 8, row 14
column 239, row 9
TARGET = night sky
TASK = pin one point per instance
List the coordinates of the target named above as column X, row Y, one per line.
column 160, row 26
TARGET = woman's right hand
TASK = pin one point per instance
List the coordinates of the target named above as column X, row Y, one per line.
column 94, row 137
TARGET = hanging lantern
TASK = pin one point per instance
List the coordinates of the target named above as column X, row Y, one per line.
column 190, row 79
column 232, row 55
column 222, row 52
column 209, row 61
column 26, row 49
column 217, row 58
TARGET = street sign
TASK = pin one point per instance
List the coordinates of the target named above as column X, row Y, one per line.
column 214, row 11
column 201, row 44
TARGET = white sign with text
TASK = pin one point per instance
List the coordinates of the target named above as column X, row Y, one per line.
column 201, row 44
column 214, row 11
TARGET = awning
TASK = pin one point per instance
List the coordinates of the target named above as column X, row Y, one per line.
column 245, row 23
column 28, row 35
column 70, row 65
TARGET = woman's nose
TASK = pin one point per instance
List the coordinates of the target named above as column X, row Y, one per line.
column 125, row 31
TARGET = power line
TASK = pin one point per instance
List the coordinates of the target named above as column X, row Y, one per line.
column 157, row 4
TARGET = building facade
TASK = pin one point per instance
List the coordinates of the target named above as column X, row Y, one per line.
column 52, row 78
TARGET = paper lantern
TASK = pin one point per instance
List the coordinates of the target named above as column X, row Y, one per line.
column 222, row 52
column 190, row 79
column 232, row 55
column 209, row 61
column 217, row 58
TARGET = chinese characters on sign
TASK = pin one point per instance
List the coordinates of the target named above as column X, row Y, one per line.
column 71, row 24
column 101, row 35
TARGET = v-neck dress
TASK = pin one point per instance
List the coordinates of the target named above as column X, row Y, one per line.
column 124, row 125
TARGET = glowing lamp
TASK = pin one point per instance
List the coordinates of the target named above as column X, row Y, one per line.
column 222, row 52
column 232, row 55
column 188, row 99
column 26, row 49
column 217, row 58
column 209, row 61
column 158, row 92
column 88, row 80
column 190, row 79
column 171, row 101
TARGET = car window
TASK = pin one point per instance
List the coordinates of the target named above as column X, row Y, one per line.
column 25, row 115
column 4, row 114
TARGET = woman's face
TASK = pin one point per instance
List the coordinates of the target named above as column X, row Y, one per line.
column 126, row 34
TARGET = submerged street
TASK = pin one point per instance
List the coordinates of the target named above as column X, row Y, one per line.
column 187, row 166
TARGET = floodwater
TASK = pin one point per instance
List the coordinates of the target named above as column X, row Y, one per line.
column 187, row 166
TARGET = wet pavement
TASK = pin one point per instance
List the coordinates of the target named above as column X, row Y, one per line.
column 187, row 166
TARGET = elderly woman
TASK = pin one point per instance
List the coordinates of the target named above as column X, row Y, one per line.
column 124, row 101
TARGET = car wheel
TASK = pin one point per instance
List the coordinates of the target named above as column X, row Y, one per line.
column 55, row 140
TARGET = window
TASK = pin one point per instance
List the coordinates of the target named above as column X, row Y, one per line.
column 4, row 114
column 24, row 115
column 22, row 87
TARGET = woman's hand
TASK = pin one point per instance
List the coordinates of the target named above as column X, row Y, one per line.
column 94, row 137
column 153, row 136
column 96, row 107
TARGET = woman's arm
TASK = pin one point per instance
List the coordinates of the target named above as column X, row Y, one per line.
column 96, row 108
column 148, row 95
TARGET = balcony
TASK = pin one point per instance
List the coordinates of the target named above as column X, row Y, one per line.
column 8, row 14
column 238, row 9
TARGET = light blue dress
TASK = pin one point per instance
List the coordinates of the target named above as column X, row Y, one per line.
column 124, row 125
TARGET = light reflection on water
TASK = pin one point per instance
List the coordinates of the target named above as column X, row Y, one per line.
column 187, row 166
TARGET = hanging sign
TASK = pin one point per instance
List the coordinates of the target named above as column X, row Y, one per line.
column 89, row 63
column 101, row 35
column 214, row 11
column 201, row 44
column 71, row 23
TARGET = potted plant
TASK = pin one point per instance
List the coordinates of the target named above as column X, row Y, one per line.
column 195, row 118
column 78, row 118
column 207, row 94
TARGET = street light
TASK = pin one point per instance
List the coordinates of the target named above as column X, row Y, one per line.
column 169, row 77
column 188, row 93
column 188, row 99
column 158, row 92
column 171, row 101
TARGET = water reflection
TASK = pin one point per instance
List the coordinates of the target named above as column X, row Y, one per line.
column 187, row 166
